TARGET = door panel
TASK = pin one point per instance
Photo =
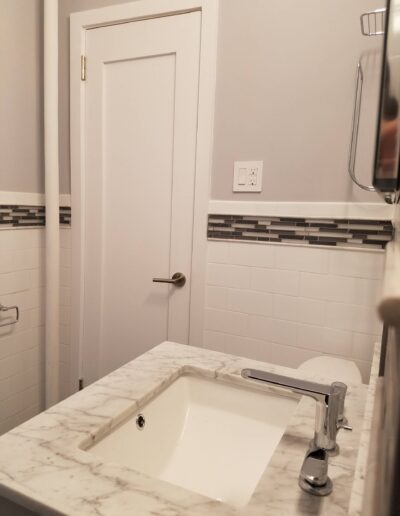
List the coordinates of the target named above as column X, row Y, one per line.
column 140, row 129
column 136, row 233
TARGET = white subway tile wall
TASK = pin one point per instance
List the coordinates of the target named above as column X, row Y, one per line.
column 285, row 304
column 65, row 311
column 277, row 303
column 22, row 344
column 22, row 279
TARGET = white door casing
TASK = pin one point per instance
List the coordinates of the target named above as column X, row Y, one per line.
column 147, row 70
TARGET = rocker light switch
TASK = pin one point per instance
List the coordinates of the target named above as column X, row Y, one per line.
column 242, row 179
column 247, row 176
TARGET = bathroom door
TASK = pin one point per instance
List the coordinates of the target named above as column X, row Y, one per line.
column 141, row 97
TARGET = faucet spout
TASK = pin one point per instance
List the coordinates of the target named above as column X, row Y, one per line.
column 329, row 419
column 329, row 398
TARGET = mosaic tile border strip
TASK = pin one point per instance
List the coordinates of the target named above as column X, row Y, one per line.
column 65, row 215
column 18, row 216
column 371, row 234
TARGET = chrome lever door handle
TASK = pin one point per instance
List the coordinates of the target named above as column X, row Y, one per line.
column 178, row 279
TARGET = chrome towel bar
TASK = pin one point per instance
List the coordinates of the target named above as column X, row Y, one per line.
column 355, row 126
column 354, row 130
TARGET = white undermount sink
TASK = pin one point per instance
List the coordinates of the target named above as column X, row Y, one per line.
column 207, row 436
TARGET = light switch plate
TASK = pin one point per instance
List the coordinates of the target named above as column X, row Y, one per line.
column 247, row 176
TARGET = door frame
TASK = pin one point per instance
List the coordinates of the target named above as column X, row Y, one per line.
column 135, row 11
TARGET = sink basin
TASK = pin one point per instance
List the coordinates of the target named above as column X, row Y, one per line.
column 207, row 436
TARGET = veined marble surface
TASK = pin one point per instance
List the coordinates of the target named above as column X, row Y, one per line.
column 357, row 494
column 43, row 465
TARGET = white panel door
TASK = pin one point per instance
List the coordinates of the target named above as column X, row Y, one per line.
column 141, row 98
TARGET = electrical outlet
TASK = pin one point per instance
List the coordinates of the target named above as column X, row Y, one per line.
column 247, row 176
column 253, row 177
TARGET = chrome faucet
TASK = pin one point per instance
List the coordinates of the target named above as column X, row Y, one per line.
column 329, row 419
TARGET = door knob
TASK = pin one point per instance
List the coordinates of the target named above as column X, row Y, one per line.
column 178, row 279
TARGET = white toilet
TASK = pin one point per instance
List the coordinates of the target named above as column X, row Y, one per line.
column 333, row 369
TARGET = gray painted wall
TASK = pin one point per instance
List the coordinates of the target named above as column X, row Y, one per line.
column 285, row 89
column 21, row 97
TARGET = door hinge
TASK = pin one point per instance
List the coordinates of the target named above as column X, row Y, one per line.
column 80, row 384
column 83, row 68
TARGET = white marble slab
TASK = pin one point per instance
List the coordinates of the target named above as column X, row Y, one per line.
column 44, row 467
column 362, row 465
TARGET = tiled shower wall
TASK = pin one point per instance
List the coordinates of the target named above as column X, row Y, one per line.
column 21, row 345
column 286, row 304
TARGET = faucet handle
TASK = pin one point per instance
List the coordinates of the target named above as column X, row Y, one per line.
column 341, row 389
column 314, row 472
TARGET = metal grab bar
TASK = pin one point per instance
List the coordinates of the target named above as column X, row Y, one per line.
column 354, row 130
column 6, row 309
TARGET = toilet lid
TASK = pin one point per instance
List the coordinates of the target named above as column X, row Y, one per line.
column 333, row 369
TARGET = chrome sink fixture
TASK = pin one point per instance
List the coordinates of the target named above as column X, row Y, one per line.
column 329, row 419
column 206, row 435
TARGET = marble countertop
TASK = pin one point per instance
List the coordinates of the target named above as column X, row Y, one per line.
column 43, row 465
column 363, row 459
